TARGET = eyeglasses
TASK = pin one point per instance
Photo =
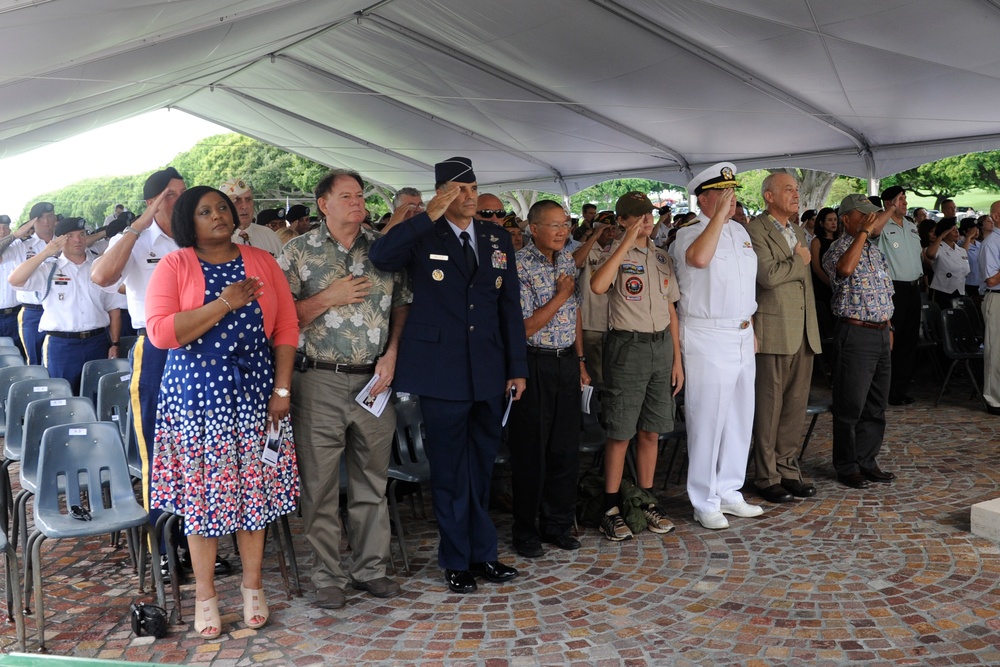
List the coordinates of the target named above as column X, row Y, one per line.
column 564, row 226
column 490, row 213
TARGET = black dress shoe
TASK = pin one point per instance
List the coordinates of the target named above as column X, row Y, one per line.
column 993, row 410
column 493, row 571
column 874, row 474
column 460, row 581
column 855, row 480
column 798, row 488
column 901, row 400
column 530, row 548
column 775, row 494
column 566, row 542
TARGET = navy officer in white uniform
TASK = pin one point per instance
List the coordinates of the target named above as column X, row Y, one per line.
column 717, row 271
column 77, row 314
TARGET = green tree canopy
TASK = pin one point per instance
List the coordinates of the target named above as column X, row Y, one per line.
column 943, row 179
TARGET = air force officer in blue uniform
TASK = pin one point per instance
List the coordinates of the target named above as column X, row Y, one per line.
column 463, row 350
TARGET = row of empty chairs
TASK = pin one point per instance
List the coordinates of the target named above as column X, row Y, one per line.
column 75, row 466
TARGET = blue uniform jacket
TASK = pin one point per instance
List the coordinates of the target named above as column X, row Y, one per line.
column 462, row 340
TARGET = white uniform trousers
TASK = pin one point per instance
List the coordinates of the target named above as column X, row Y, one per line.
column 719, row 371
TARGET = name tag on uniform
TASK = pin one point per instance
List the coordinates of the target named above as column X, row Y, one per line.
column 153, row 260
column 440, row 258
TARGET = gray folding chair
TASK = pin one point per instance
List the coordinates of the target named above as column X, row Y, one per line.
column 94, row 370
column 7, row 341
column 20, row 394
column 408, row 464
column 40, row 416
column 76, row 459
column 9, row 376
column 113, row 399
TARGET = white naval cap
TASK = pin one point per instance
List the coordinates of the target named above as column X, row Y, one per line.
column 719, row 176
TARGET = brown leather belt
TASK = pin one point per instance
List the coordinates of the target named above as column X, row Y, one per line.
column 863, row 323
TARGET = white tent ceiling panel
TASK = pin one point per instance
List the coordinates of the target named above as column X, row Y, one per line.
column 557, row 94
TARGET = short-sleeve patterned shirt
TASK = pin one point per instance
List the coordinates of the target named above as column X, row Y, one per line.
column 866, row 294
column 354, row 333
column 537, row 277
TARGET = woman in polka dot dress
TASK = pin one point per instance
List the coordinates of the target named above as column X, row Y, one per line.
column 226, row 314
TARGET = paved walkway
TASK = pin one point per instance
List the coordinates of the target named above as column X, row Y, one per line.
column 887, row 576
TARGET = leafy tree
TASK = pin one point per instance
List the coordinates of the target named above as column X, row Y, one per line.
column 942, row 179
column 93, row 199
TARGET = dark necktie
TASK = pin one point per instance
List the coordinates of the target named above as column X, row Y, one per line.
column 245, row 238
column 470, row 254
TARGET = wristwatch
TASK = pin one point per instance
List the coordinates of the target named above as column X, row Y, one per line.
column 282, row 392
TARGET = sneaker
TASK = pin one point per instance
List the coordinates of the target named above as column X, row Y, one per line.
column 655, row 521
column 614, row 527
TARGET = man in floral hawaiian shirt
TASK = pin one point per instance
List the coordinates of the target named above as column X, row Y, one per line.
column 351, row 316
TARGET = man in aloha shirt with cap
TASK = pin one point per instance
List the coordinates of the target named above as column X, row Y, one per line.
column 247, row 233
column 351, row 316
column 717, row 271
column 862, row 303
column 642, row 366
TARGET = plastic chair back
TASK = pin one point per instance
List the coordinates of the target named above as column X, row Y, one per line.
column 930, row 322
column 20, row 394
column 77, row 459
column 38, row 418
column 972, row 311
column 113, row 399
column 410, row 431
column 94, row 370
column 9, row 376
column 9, row 356
column 7, row 341
column 959, row 341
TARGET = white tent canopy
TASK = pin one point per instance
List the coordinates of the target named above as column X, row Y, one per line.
column 548, row 94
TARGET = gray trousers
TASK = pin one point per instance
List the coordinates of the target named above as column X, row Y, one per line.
column 329, row 423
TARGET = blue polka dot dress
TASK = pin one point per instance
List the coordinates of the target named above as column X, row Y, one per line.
column 211, row 425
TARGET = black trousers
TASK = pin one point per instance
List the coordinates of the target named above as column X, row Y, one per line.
column 545, row 448
column 906, row 322
column 860, row 390
column 462, row 442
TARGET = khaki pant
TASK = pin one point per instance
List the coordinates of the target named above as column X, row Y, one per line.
column 782, row 393
column 991, row 349
column 593, row 349
column 328, row 423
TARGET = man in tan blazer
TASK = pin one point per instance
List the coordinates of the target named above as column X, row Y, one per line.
column 788, row 339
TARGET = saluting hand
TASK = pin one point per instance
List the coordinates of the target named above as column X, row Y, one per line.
column 55, row 246
column 25, row 230
column 145, row 220
column 442, row 200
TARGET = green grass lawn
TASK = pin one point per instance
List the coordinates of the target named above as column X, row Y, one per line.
column 977, row 199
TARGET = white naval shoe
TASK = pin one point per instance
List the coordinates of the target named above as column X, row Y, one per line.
column 711, row 520
column 742, row 509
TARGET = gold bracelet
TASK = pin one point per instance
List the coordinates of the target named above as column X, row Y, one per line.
column 229, row 305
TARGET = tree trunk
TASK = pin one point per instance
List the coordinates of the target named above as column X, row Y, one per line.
column 520, row 201
column 814, row 186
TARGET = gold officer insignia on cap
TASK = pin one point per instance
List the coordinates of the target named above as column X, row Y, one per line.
column 499, row 281
column 241, row 184
column 727, row 173
column 438, row 275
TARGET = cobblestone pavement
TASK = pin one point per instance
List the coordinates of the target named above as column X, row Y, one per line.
column 886, row 576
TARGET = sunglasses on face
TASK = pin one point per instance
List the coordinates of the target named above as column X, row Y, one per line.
column 489, row 213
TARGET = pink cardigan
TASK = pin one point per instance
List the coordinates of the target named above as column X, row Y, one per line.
column 178, row 284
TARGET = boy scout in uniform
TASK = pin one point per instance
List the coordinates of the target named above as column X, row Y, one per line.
column 642, row 363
